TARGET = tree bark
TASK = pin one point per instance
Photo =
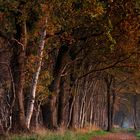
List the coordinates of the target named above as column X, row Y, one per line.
column 18, row 72
column 71, row 120
column 61, row 104
column 135, row 111
column 49, row 114
column 112, row 107
column 108, row 80
column 55, row 88
column 31, row 102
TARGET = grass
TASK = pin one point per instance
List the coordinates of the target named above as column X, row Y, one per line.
column 67, row 135
column 130, row 130
column 137, row 134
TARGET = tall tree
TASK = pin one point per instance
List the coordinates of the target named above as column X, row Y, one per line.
column 32, row 97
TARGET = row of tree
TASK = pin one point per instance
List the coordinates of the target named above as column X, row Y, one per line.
column 63, row 63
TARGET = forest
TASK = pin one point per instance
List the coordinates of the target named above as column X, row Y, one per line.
column 68, row 65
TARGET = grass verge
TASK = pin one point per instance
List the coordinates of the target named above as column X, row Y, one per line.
column 137, row 134
column 131, row 130
column 66, row 135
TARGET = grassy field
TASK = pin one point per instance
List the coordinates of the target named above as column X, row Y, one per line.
column 67, row 135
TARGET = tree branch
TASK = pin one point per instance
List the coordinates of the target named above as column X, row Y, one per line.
column 107, row 67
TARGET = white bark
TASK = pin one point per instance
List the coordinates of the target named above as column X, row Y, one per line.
column 91, row 113
column 30, row 106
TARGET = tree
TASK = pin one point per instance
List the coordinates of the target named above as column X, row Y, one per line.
column 36, row 77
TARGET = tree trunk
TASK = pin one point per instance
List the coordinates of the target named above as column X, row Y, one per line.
column 55, row 88
column 61, row 104
column 18, row 72
column 91, row 113
column 112, row 107
column 37, row 113
column 135, row 111
column 71, row 120
column 31, row 102
column 108, row 83
column 49, row 113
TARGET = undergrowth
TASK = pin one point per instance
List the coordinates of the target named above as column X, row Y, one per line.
column 66, row 135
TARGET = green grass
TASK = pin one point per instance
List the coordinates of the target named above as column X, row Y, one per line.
column 68, row 135
column 137, row 134
column 130, row 130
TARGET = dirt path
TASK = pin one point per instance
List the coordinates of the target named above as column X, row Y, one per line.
column 116, row 136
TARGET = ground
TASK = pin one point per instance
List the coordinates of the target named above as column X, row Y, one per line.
column 116, row 136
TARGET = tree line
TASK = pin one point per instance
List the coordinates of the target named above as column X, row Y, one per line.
column 65, row 63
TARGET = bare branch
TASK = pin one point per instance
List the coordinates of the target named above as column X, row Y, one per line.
column 69, row 63
column 107, row 67
column 19, row 43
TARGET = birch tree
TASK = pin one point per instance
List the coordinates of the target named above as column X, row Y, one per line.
column 36, row 76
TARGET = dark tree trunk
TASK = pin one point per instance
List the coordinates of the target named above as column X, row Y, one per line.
column 18, row 71
column 122, row 120
column 108, row 80
column 135, row 111
column 54, row 88
column 18, row 67
column 112, row 107
column 61, row 104
column 49, row 113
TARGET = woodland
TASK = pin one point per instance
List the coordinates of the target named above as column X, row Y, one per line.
column 69, row 64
